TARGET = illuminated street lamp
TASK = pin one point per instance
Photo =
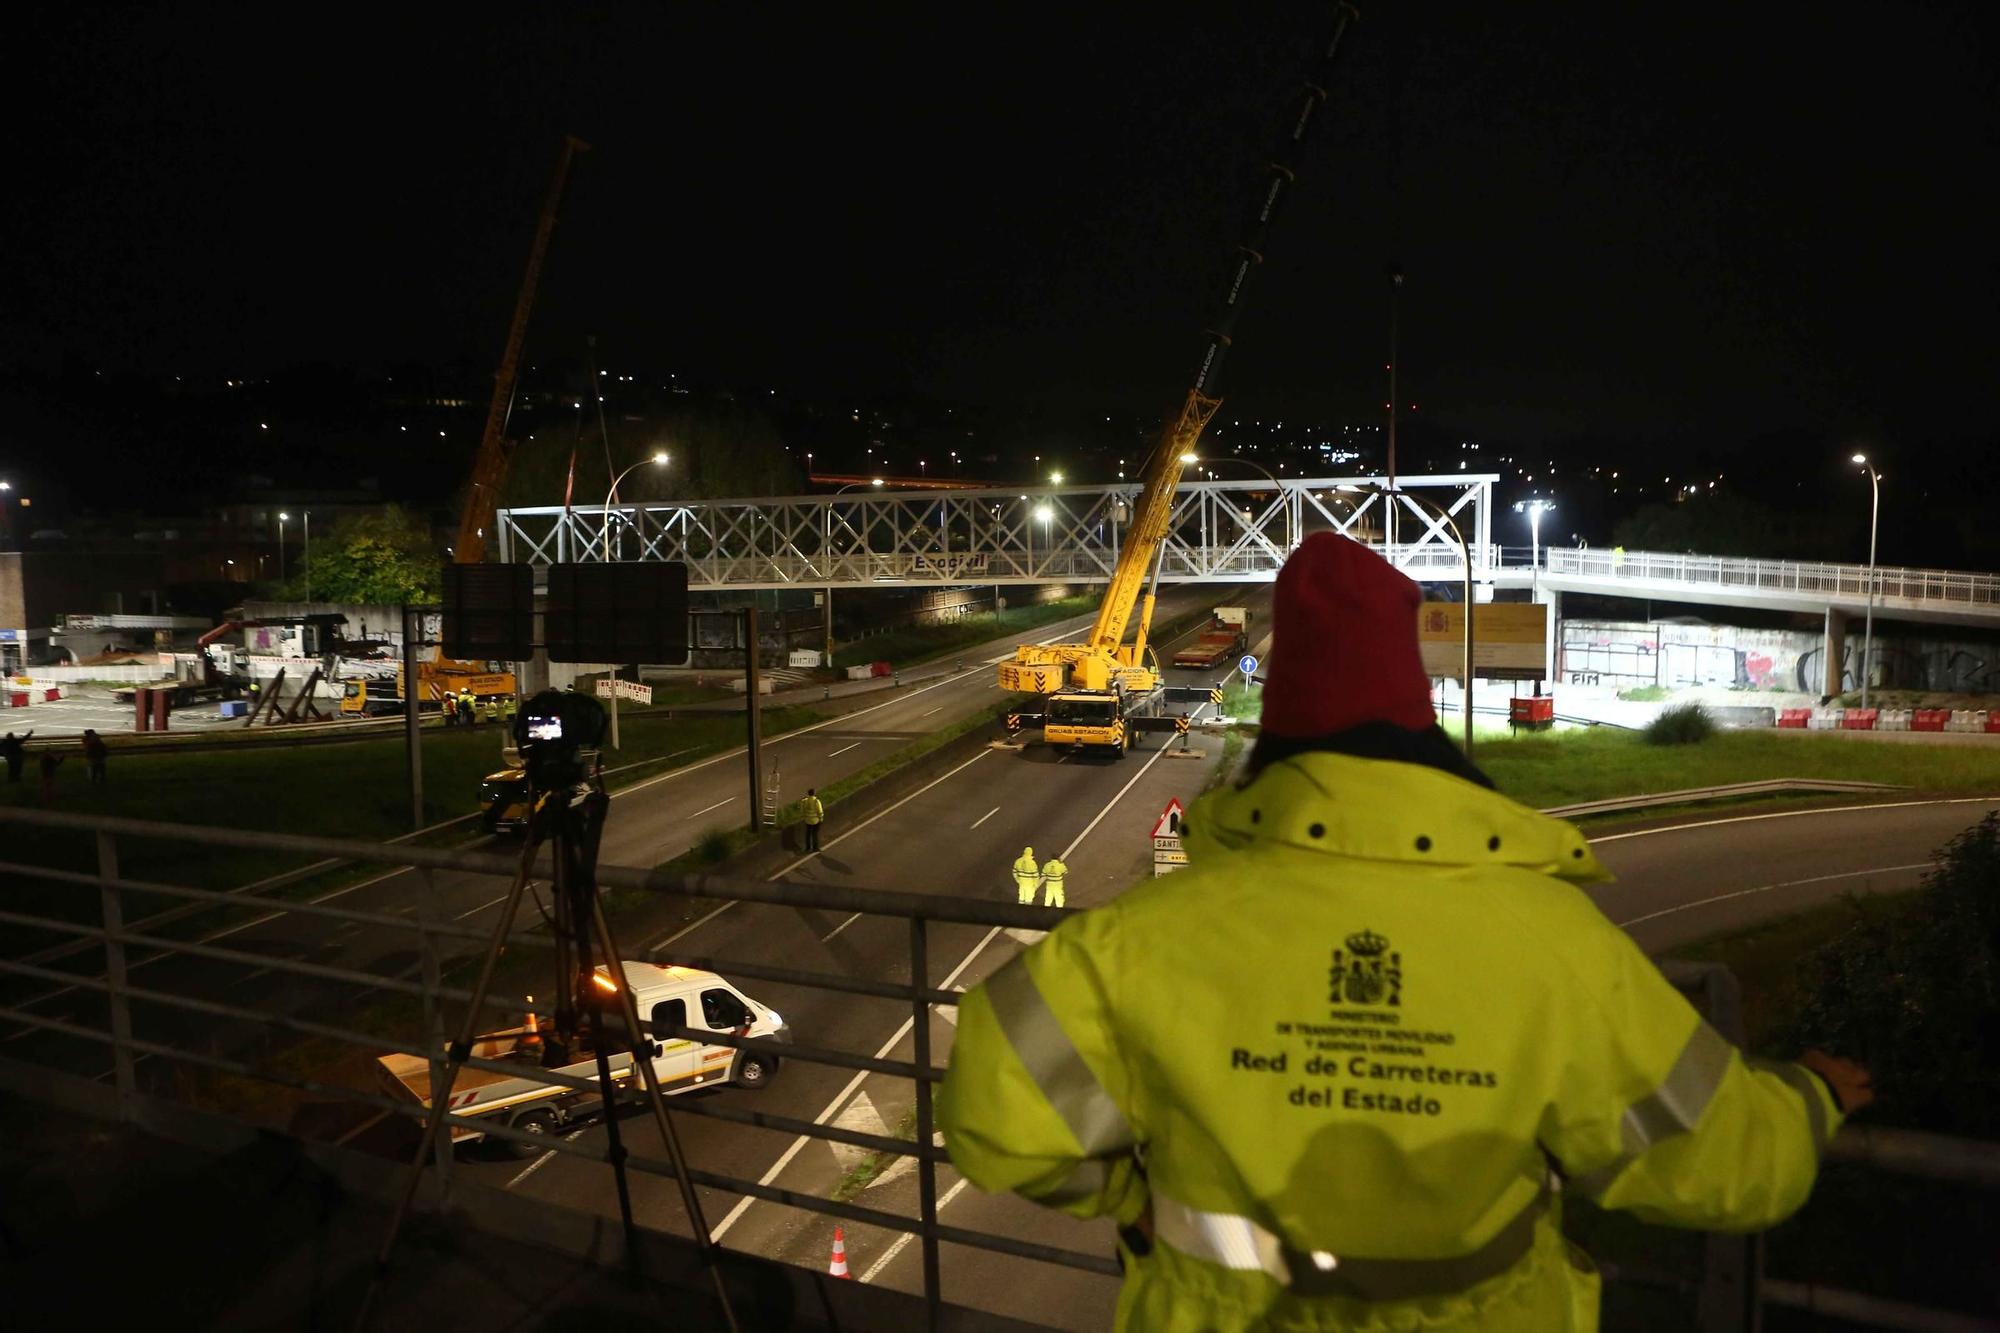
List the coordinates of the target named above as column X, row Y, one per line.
column 659, row 459
column 1534, row 509
column 1055, row 478
column 1874, row 515
column 1289, row 535
column 826, row 553
column 282, row 520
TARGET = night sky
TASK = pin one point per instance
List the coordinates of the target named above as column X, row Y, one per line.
column 1702, row 227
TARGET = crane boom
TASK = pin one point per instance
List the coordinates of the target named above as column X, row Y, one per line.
column 1105, row 660
column 489, row 467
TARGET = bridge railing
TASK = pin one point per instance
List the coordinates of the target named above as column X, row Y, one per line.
column 90, row 937
column 1848, row 582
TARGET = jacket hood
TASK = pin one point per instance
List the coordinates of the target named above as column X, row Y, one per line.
column 1381, row 810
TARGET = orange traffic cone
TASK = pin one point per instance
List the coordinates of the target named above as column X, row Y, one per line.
column 838, row 1265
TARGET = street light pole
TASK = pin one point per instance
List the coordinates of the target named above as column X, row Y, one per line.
column 1465, row 557
column 1290, row 536
column 1874, row 517
column 659, row 459
column 282, row 520
column 306, row 514
column 1534, row 509
column 826, row 553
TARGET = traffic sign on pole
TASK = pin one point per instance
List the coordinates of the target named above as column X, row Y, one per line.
column 1248, row 666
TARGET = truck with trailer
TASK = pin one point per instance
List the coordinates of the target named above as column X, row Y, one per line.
column 376, row 696
column 1227, row 636
column 666, row 998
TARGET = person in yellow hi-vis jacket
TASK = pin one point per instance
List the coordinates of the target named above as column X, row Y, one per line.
column 1027, row 877
column 1054, row 872
column 1356, row 1097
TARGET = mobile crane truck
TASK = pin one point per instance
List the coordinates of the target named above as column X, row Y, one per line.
column 1098, row 693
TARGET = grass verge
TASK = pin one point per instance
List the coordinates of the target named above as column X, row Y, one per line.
column 1561, row 768
column 340, row 791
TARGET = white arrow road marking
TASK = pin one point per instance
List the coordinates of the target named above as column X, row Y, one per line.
column 860, row 1117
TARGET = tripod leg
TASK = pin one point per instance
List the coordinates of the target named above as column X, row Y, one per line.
column 576, row 882
column 643, row 1065
column 455, row 1056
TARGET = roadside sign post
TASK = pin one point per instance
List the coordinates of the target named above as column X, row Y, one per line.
column 413, row 744
column 1168, row 853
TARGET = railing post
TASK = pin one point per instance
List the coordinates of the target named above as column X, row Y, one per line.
column 113, row 909
column 920, row 978
column 428, row 918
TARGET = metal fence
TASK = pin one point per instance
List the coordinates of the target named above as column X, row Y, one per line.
column 99, row 924
column 1942, row 588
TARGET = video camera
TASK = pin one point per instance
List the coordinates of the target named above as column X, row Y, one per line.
column 552, row 732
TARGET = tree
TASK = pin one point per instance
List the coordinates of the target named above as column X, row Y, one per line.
column 375, row 559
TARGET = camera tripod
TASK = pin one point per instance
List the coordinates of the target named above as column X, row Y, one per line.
column 568, row 818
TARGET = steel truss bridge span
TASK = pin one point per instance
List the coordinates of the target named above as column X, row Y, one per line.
column 1219, row 532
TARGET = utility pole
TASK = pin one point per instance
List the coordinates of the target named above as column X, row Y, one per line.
column 413, row 716
column 752, row 716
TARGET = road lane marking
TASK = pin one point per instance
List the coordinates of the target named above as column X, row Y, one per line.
column 904, row 697
column 474, row 911
column 1766, row 888
column 706, row 808
column 845, row 748
column 650, row 949
column 906, row 1237
column 541, row 1161
column 837, row 929
column 1794, row 814
column 921, row 716
column 854, row 1084
column 988, row 815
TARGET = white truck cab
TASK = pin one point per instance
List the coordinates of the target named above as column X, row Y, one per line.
column 666, row 998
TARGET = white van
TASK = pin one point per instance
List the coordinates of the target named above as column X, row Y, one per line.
column 666, row 998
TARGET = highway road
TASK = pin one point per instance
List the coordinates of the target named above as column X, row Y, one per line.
column 1676, row 883
column 651, row 821
column 958, row 836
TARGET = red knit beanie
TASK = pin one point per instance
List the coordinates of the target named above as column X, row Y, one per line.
column 1344, row 644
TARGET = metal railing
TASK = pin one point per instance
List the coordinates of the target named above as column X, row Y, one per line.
column 102, row 916
column 1956, row 589
column 128, row 945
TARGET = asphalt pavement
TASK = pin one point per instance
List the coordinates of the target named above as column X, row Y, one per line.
column 651, row 821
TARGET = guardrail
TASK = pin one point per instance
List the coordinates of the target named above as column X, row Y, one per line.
column 100, row 919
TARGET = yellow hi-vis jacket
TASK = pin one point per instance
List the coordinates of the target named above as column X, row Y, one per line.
column 1342, row 1059
column 815, row 812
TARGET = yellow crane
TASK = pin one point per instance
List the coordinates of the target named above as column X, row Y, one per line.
column 1092, row 689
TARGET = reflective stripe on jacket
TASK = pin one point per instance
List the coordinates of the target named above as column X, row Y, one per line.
column 1347, row 1088
column 1025, row 868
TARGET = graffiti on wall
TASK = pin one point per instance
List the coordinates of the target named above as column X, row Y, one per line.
column 1678, row 656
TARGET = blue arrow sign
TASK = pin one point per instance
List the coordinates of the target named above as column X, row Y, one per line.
column 1248, row 666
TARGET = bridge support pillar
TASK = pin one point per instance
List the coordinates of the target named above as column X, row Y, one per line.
column 1836, row 652
column 1551, row 634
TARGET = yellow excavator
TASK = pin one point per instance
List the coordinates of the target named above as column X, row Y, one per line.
column 1094, row 690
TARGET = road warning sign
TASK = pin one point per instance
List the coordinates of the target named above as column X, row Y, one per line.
column 1169, row 825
